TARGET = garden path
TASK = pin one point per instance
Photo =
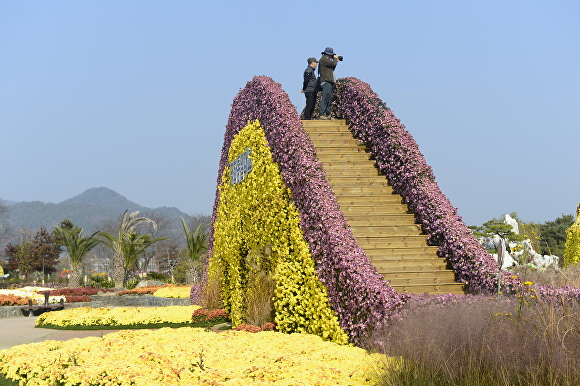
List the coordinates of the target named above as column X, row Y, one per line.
column 20, row 330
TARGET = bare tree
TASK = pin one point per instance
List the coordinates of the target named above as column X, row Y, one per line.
column 101, row 255
column 166, row 227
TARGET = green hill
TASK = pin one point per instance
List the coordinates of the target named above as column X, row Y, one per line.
column 87, row 210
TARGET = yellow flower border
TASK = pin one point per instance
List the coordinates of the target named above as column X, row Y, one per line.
column 191, row 356
column 257, row 219
column 121, row 316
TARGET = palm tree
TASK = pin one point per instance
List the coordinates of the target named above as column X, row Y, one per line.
column 196, row 246
column 77, row 246
column 120, row 243
column 135, row 247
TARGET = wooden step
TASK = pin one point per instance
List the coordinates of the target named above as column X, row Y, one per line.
column 370, row 199
column 397, row 260
column 324, row 148
column 392, row 241
column 426, row 273
column 418, row 252
column 394, row 219
column 429, row 280
column 385, row 230
column 323, row 136
column 377, row 217
column 353, row 180
column 357, row 159
column 363, row 190
column 453, row 288
column 361, row 210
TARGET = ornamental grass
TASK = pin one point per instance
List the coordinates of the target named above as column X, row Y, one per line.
column 115, row 317
column 190, row 356
column 523, row 340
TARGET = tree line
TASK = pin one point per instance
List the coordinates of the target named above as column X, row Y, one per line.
column 123, row 248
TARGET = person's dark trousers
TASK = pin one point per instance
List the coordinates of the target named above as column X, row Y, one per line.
column 326, row 98
column 310, row 102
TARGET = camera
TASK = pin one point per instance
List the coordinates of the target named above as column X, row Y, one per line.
column 340, row 58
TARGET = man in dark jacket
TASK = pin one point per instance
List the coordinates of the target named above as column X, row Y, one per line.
column 309, row 88
column 328, row 63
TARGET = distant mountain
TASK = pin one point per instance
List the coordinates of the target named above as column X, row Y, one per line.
column 86, row 210
column 107, row 198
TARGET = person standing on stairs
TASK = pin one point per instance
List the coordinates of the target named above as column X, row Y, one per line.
column 309, row 88
column 328, row 63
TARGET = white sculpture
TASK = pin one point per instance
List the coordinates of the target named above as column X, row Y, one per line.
column 509, row 260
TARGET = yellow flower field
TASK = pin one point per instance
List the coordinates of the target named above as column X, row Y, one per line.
column 122, row 316
column 173, row 292
column 190, row 356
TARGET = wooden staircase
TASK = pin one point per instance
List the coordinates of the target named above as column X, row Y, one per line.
column 379, row 220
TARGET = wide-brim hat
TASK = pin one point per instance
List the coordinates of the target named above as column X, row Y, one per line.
column 328, row 51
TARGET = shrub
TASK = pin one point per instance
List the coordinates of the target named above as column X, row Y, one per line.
column 101, row 280
column 83, row 291
column 132, row 283
column 13, row 300
column 158, row 276
column 247, row 327
column 218, row 316
column 214, row 316
column 147, row 290
column 268, row 327
column 199, row 315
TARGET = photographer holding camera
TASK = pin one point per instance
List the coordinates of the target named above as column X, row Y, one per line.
column 327, row 64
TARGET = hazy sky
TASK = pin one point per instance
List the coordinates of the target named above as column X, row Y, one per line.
column 135, row 95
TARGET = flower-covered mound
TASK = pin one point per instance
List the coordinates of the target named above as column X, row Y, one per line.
column 398, row 157
column 121, row 316
column 356, row 292
column 189, row 356
column 257, row 232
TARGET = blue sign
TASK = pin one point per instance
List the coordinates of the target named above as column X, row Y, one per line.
column 241, row 166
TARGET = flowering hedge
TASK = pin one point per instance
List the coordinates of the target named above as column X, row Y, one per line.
column 399, row 159
column 357, row 293
column 147, row 290
column 172, row 291
column 14, row 300
column 190, row 356
column 212, row 316
column 255, row 215
column 121, row 316
column 34, row 293
column 84, row 291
